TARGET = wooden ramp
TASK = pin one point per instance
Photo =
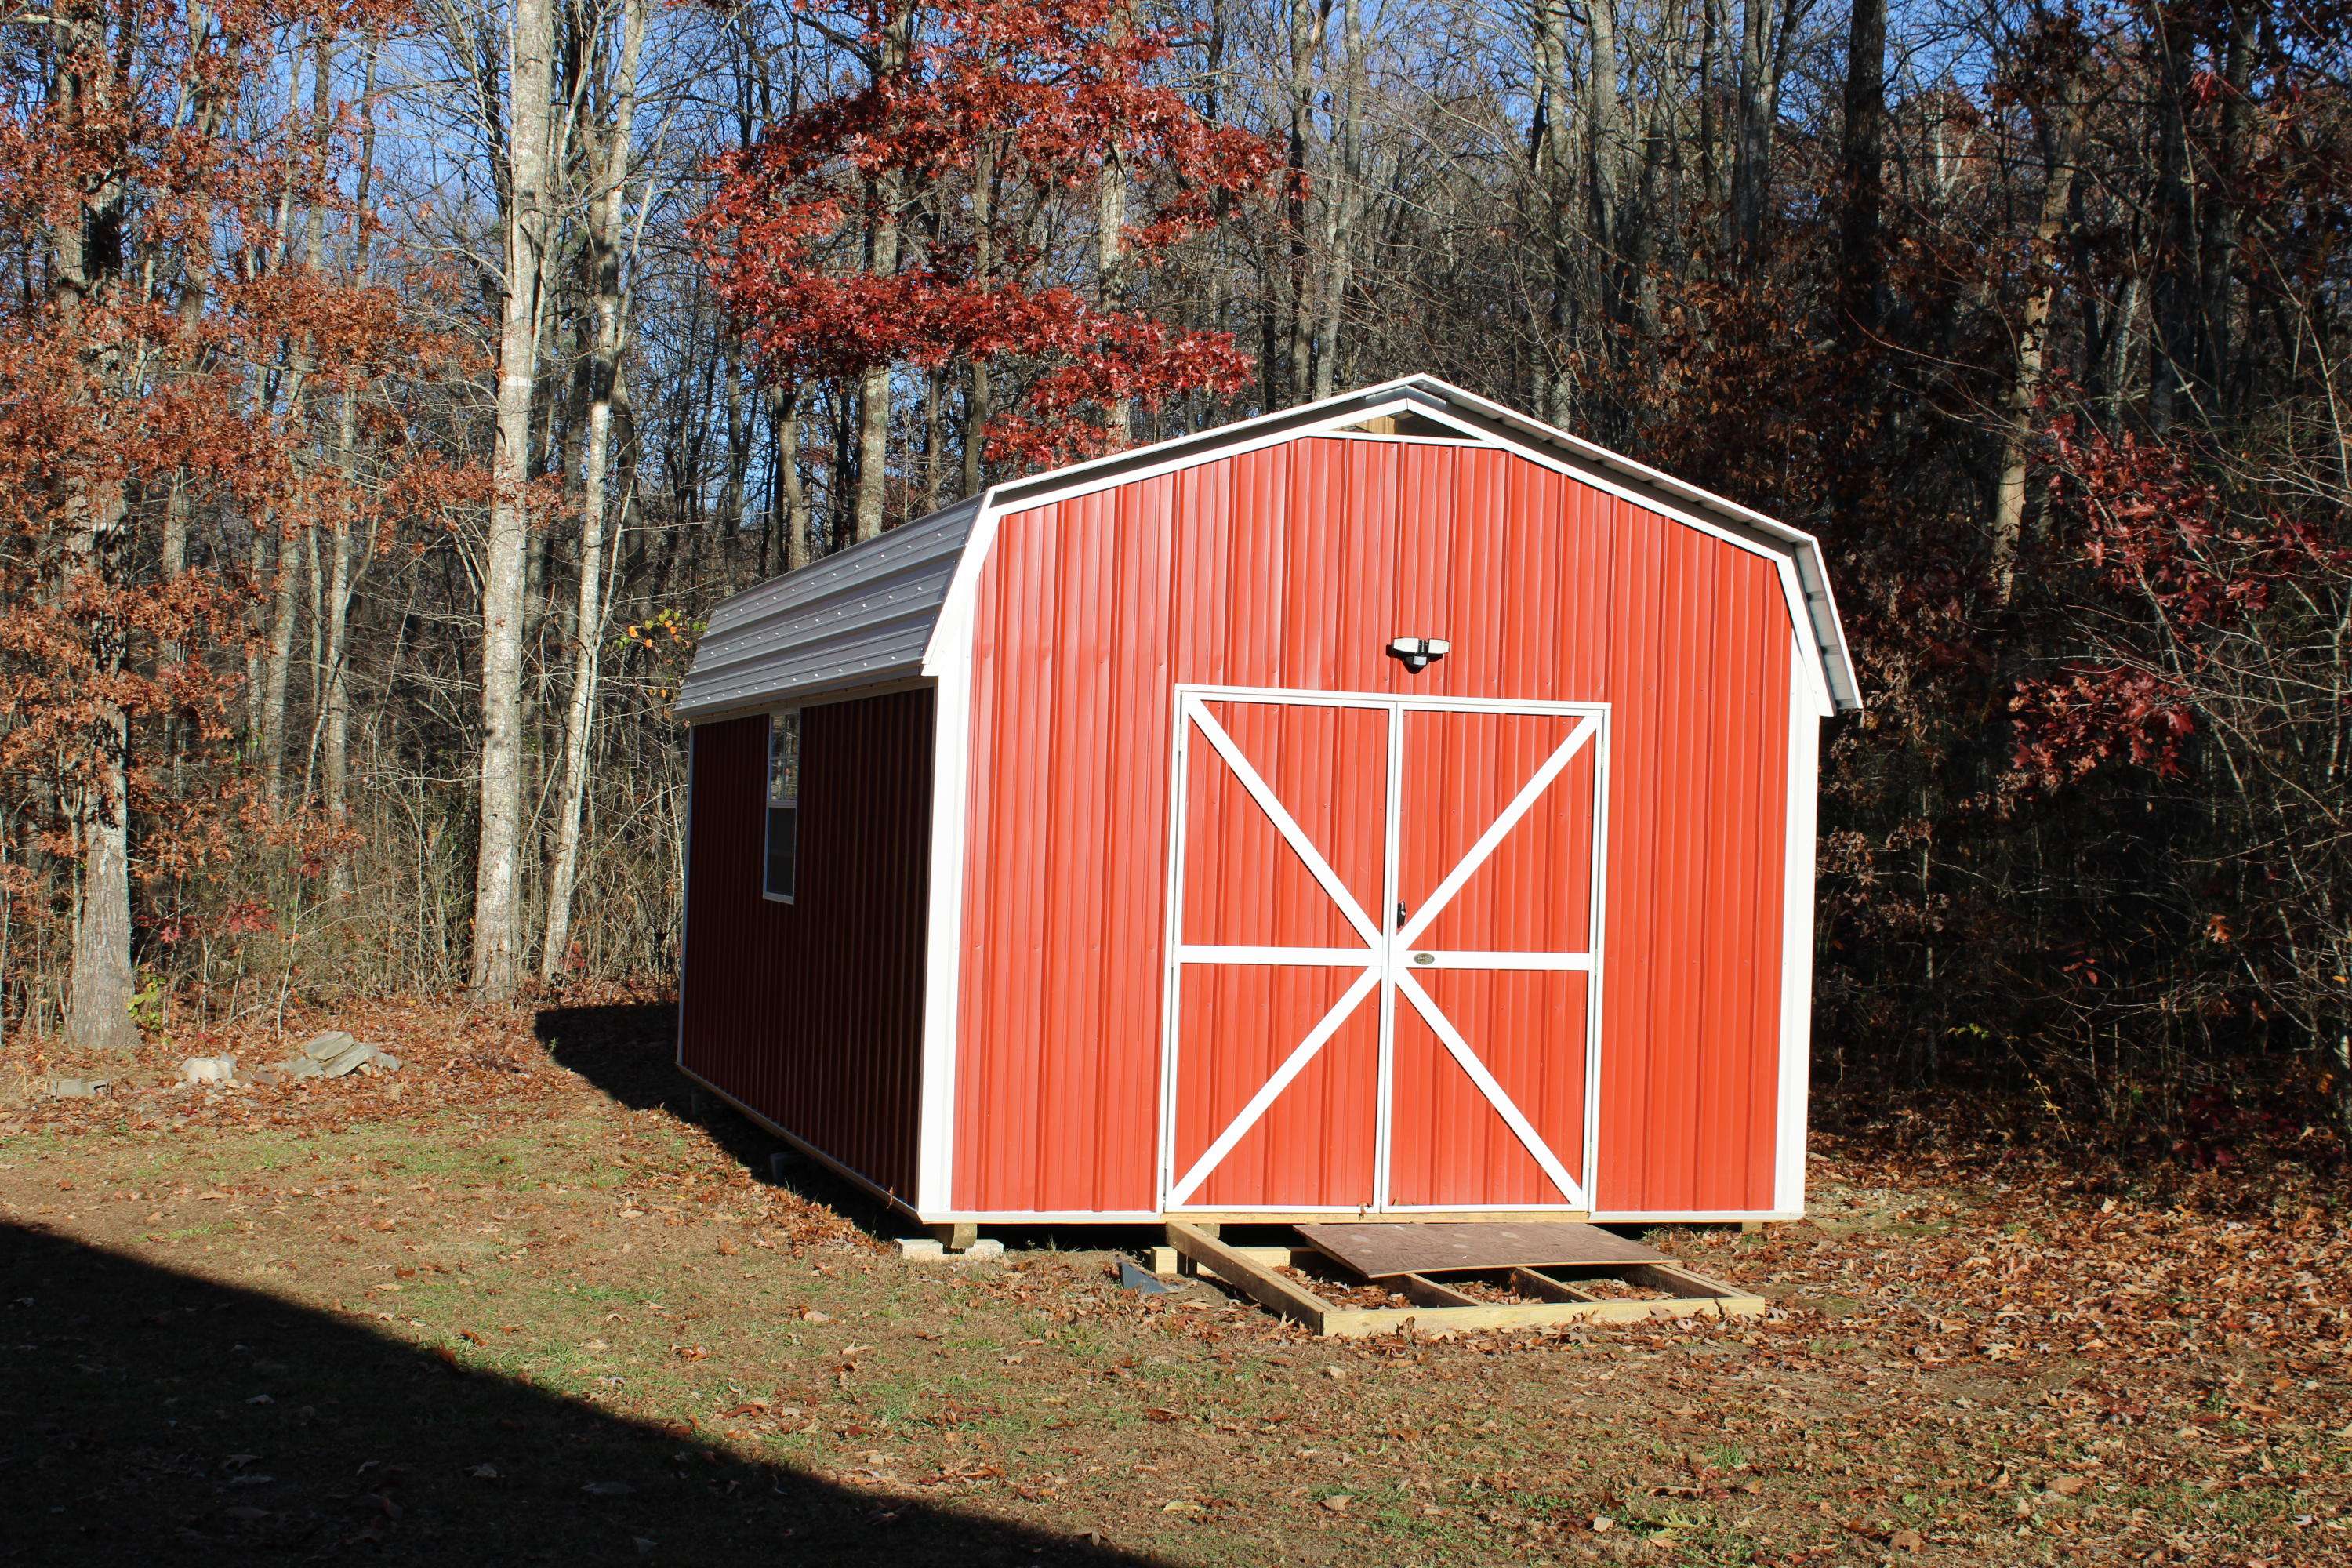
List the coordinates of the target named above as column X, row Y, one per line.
column 1448, row 1284
column 1380, row 1251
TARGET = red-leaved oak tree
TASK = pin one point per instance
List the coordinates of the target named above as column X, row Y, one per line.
column 980, row 200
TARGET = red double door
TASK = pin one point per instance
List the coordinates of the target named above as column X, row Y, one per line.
column 1381, row 989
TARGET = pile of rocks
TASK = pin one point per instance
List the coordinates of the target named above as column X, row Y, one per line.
column 335, row 1053
column 77, row 1088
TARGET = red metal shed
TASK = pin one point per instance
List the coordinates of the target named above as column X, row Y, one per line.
column 1388, row 805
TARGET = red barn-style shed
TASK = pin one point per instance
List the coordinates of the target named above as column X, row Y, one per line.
column 1392, row 806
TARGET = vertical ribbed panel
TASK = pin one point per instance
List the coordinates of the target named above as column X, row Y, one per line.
column 1292, row 567
column 811, row 1013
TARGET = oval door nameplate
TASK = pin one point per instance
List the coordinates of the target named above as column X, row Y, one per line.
column 1424, row 958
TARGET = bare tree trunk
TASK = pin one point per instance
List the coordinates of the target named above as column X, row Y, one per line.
column 96, row 786
column 740, row 413
column 935, row 436
column 1710, row 105
column 1863, row 156
column 1605, row 148
column 2218, row 248
column 784, row 419
column 983, row 267
column 335, row 703
column 2018, row 404
column 101, row 986
column 1765, row 27
column 874, row 394
column 1551, row 154
column 285, row 601
column 335, row 693
column 578, row 718
column 530, row 172
column 276, row 668
column 608, row 303
column 1307, row 18
column 1343, row 203
column 2172, row 356
column 1110, row 220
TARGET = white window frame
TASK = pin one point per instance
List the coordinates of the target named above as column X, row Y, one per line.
column 768, row 807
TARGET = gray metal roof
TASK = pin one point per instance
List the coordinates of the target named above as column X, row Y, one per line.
column 858, row 617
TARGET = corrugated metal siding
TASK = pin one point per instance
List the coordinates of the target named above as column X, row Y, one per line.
column 811, row 1013
column 860, row 618
column 1292, row 567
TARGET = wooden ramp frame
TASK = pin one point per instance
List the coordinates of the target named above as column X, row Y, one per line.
column 1441, row 1309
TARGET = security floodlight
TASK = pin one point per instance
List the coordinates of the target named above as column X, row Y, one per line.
column 1418, row 653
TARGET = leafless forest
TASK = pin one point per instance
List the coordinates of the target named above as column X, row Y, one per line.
column 378, row 433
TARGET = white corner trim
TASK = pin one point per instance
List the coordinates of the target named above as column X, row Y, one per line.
column 948, row 661
column 685, row 896
column 1796, row 945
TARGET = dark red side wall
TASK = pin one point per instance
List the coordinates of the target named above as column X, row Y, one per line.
column 812, row 1013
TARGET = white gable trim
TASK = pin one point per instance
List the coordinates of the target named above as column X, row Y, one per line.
column 1557, row 450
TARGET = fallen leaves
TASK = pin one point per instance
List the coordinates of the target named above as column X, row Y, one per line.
column 1999, row 1360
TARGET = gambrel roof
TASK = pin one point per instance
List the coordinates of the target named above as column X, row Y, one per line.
column 867, row 615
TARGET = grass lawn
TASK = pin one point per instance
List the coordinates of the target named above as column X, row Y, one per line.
column 516, row 1304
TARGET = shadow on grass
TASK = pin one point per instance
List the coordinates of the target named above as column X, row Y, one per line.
column 153, row 1417
column 630, row 1052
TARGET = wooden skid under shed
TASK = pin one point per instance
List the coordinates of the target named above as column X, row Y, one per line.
column 1440, row 1308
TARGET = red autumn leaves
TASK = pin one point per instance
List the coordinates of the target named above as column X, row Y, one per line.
column 976, row 144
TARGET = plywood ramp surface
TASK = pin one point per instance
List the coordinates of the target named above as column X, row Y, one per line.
column 1384, row 1251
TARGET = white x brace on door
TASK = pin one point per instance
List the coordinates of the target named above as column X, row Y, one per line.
column 1297, row 841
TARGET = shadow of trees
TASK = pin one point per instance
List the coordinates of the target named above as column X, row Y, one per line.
column 152, row 1416
column 629, row 1050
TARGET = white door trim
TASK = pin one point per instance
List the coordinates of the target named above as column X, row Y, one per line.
column 1386, row 958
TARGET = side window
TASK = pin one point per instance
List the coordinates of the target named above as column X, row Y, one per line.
column 784, row 803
